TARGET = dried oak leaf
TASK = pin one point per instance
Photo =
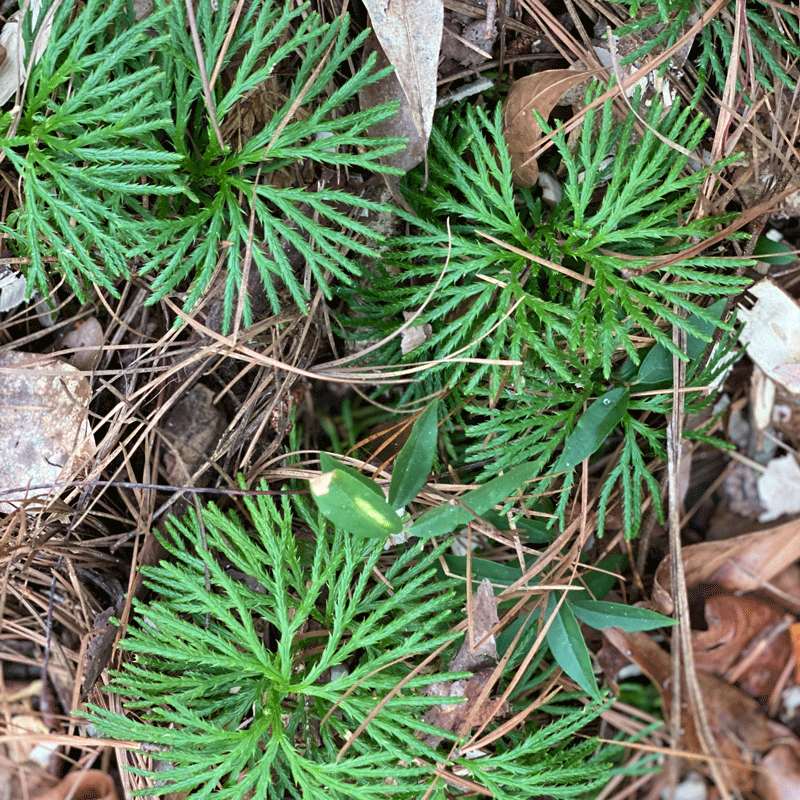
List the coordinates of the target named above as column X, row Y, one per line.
column 742, row 732
column 540, row 92
column 736, row 627
column 741, row 564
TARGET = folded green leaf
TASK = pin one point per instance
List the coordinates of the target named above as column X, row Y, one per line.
column 328, row 463
column 415, row 460
column 347, row 502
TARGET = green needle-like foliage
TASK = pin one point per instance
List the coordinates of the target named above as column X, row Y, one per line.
column 86, row 147
column 122, row 170
column 258, row 684
column 768, row 27
column 579, row 333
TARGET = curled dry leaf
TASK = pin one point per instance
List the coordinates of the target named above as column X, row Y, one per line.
column 742, row 732
column 540, row 92
column 741, row 564
column 86, row 338
column 45, row 438
column 90, row 784
column 737, row 627
column 779, row 776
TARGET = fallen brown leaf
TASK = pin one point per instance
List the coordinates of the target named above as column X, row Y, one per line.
column 736, row 626
column 741, row 730
column 540, row 92
column 741, row 564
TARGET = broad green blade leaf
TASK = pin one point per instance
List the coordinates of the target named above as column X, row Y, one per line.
column 600, row 614
column 440, row 521
column 656, row 368
column 351, row 505
column 328, row 463
column 593, row 428
column 414, row 462
column 566, row 643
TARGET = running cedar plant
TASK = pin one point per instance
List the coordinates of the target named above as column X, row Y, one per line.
column 584, row 337
column 121, row 169
column 253, row 689
column 352, row 501
column 769, row 29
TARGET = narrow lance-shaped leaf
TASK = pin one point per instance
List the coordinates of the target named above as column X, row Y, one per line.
column 347, row 502
column 440, row 521
column 414, row 462
column 593, row 428
column 566, row 643
column 599, row 614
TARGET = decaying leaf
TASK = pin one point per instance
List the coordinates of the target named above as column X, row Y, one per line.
column 479, row 648
column 779, row 488
column 779, row 776
column 91, row 783
column 743, row 629
column 86, row 338
column 13, row 68
column 12, row 288
column 192, row 429
column 478, row 653
column 410, row 35
column 400, row 124
column 743, row 563
column 771, row 332
column 45, row 437
column 540, row 92
column 415, row 335
column 742, row 732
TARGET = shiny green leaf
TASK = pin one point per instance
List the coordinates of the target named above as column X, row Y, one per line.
column 415, row 460
column 348, row 503
column 593, row 428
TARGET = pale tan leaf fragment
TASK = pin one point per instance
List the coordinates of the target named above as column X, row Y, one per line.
column 401, row 124
column 541, row 93
column 410, row 33
column 45, row 436
column 779, row 776
column 771, row 332
column 13, row 69
column 482, row 650
column 779, row 488
column 414, row 336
